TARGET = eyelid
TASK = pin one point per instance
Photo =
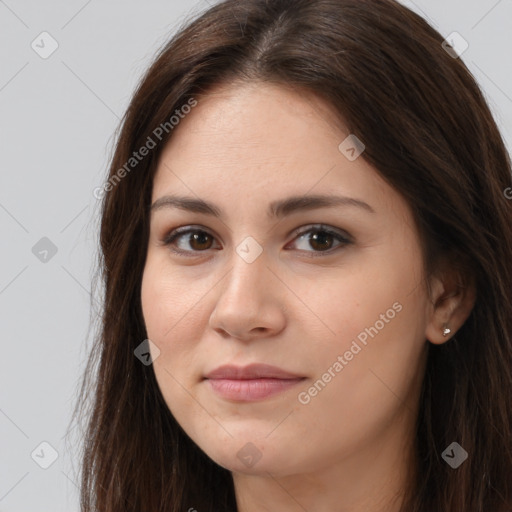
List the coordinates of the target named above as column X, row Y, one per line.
column 343, row 237
column 183, row 230
column 322, row 227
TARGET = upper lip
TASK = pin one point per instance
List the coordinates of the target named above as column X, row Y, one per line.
column 252, row 371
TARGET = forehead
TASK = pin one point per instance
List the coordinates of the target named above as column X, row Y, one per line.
column 261, row 141
column 254, row 122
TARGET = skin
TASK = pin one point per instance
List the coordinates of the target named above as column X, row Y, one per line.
column 348, row 448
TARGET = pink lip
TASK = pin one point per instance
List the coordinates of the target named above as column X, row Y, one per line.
column 250, row 383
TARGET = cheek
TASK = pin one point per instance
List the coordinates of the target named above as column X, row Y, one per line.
column 170, row 303
column 162, row 308
column 373, row 318
column 369, row 292
column 172, row 311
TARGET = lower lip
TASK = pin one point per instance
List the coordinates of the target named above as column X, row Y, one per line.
column 251, row 389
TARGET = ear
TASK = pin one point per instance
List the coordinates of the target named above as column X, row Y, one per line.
column 452, row 298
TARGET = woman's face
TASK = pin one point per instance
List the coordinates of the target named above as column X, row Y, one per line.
column 334, row 294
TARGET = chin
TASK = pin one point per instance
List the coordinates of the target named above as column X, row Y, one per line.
column 258, row 457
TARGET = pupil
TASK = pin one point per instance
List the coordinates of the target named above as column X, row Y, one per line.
column 200, row 238
column 320, row 237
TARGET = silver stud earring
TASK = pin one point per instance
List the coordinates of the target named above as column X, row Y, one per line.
column 446, row 331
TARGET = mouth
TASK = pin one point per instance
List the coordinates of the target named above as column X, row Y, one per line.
column 251, row 383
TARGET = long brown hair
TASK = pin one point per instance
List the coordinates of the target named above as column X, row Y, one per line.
column 428, row 131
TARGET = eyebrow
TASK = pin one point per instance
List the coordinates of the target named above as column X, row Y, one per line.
column 277, row 209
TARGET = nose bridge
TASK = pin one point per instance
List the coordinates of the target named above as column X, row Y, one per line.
column 248, row 272
column 248, row 301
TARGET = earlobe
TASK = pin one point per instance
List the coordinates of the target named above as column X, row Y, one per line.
column 452, row 300
column 439, row 331
column 446, row 330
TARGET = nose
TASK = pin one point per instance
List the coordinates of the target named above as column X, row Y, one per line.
column 250, row 302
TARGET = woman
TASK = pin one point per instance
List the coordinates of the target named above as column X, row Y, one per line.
column 306, row 247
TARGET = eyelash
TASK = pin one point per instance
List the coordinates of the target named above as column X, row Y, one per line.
column 177, row 233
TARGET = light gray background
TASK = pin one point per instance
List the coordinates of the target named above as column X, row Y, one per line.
column 57, row 119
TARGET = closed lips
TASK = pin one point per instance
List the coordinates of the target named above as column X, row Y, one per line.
column 252, row 371
column 251, row 383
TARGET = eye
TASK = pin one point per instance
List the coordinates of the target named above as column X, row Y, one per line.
column 321, row 239
column 198, row 239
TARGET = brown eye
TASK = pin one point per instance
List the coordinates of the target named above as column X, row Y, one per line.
column 189, row 240
column 316, row 241
column 321, row 239
column 200, row 241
